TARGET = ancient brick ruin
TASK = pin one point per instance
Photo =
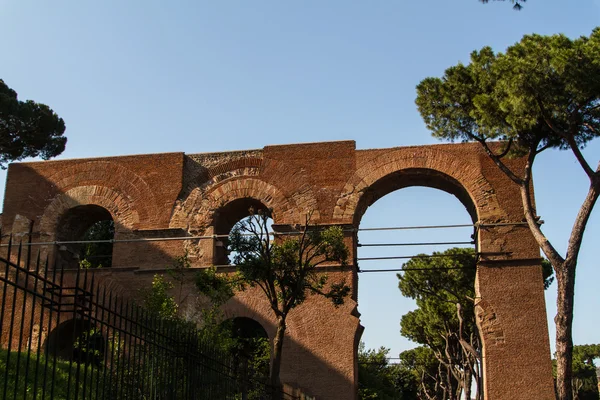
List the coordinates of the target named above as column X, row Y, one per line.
column 179, row 195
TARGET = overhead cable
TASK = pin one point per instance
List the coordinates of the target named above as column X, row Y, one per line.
column 224, row 236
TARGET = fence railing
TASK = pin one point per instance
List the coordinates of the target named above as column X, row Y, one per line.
column 63, row 336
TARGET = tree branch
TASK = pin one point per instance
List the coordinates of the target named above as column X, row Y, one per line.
column 549, row 250
column 582, row 161
column 582, row 219
column 507, row 149
column 498, row 161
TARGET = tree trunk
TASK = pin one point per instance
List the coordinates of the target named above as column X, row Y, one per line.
column 467, row 383
column 277, row 353
column 565, row 279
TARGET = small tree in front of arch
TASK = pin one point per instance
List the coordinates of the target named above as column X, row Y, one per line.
column 286, row 269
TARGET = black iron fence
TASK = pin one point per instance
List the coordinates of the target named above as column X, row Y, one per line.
column 63, row 336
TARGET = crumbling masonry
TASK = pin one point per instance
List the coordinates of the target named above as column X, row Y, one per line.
column 178, row 195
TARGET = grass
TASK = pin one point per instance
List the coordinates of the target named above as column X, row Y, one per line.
column 27, row 383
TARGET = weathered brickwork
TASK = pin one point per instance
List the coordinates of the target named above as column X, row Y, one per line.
column 202, row 195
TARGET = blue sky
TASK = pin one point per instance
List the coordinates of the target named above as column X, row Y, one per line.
column 134, row 77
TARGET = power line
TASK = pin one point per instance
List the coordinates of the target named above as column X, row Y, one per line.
column 396, row 228
column 413, row 269
column 475, row 225
column 223, row 236
column 412, row 244
column 414, row 256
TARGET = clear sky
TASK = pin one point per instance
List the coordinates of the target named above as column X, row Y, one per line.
column 132, row 77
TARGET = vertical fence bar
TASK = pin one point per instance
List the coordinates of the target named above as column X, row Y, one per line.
column 121, row 350
column 79, row 314
column 32, row 319
column 136, row 360
column 111, row 325
column 58, row 304
column 4, row 288
column 144, row 335
column 104, row 344
column 3, row 307
column 22, row 323
column 174, row 332
column 130, row 351
column 41, row 332
column 155, row 355
column 75, row 295
column 89, row 349
column 11, row 326
column 165, row 355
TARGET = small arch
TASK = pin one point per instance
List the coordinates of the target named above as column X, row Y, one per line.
column 247, row 328
column 102, row 175
column 121, row 208
column 78, row 340
column 196, row 213
column 252, row 354
column 85, row 223
column 225, row 218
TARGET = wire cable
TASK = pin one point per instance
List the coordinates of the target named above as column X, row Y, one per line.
column 220, row 236
column 412, row 244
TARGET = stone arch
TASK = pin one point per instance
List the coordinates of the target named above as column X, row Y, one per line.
column 238, row 164
column 203, row 177
column 120, row 207
column 425, row 166
column 250, row 304
column 61, row 341
column 120, row 179
column 197, row 212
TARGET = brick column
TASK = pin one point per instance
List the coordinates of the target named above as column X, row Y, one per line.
column 511, row 315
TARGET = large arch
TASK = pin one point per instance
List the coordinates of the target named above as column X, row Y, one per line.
column 426, row 166
column 508, row 272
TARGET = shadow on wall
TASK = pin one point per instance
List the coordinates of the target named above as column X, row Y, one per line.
column 135, row 262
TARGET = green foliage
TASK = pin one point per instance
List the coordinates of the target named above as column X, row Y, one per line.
column 437, row 288
column 28, row 129
column 548, row 273
column 254, row 356
column 585, row 380
column 286, row 269
column 543, row 92
column 378, row 379
column 424, row 371
column 36, row 377
column 260, row 357
column 443, row 286
column 217, row 287
column 97, row 255
column 444, row 321
column 585, row 372
column 157, row 299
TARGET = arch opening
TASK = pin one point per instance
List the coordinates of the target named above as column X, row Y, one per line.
column 403, row 199
column 414, row 177
column 252, row 355
column 78, row 340
column 85, row 223
column 226, row 218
